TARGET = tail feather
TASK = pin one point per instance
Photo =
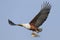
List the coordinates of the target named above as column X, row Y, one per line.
column 10, row 22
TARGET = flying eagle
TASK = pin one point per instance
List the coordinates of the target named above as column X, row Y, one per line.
column 37, row 21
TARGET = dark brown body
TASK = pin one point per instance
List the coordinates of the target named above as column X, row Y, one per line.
column 34, row 28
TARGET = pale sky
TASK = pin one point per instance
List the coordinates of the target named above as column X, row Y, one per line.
column 23, row 11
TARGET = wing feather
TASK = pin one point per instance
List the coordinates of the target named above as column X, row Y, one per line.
column 42, row 15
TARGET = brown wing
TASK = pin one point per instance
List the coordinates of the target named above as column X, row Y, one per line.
column 42, row 15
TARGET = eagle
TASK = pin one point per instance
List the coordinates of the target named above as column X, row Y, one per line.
column 37, row 21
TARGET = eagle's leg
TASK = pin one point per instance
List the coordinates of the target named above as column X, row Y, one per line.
column 38, row 30
column 35, row 34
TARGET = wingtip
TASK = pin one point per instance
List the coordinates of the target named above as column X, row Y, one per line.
column 46, row 5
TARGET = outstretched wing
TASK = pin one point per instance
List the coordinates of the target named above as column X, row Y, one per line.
column 42, row 15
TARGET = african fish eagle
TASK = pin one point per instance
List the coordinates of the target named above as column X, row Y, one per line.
column 37, row 21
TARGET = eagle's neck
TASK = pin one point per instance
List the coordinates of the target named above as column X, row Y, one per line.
column 26, row 26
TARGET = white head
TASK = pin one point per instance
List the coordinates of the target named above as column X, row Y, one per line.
column 26, row 26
